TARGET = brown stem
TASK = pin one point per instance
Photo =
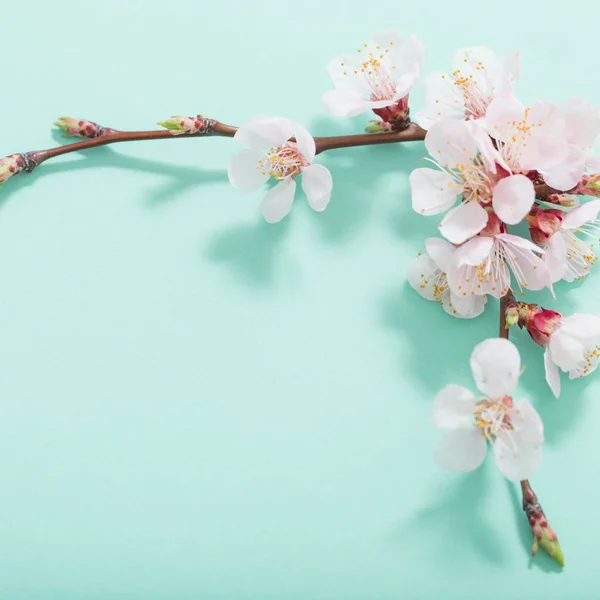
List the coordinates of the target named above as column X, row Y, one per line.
column 112, row 136
column 543, row 534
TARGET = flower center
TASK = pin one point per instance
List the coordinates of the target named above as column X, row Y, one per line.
column 283, row 162
column 580, row 254
column 492, row 417
column 466, row 87
column 588, row 364
column 376, row 69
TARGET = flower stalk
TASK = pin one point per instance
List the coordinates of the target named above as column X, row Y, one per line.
column 543, row 534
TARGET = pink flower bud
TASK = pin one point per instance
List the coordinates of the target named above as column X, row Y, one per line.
column 396, row 114
column 11, row 165
column 179, row 125
column 79, row 127
column 540, row 323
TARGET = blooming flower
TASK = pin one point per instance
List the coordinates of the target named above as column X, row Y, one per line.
column 483, row 265
column 378, row 78
column 179, row 125
column 272, row 153
column 581, row 128
column 571, row 343
column 427, row 276
column 469, row 169
column 528, row 139
column 515, row 431
column 79, row 127
column 477, row 77
column 567, row 256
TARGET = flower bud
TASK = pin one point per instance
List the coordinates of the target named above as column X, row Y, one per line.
column 11, row 165
column 378, row 127
column 397, row 115
column 512, row 315
column 540, row 323
column 79, row 127
column 179, row 125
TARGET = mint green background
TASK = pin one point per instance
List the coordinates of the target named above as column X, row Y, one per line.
column 198, row 405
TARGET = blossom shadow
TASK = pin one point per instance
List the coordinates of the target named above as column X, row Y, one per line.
column 363, row 178
column 454, row 525
column 179, row 178
column 541, row 560
column 250, row 250
column 420, row 328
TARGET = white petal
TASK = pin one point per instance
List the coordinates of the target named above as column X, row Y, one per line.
column 264, row 132
column 552, row 374
column 277, row 202
column 580, row 215
column 496, row 366
column 463, row 222
column 345, row 103
column 519, row 242
column 440, row 101
column 474, row 252
column 488, row 152
column 507, row 74
column 513, row 198
column 244, row 171
column 440, row 251
column 526, row 422
column 306, row 142
column 317, row 184
column 516, row 459
column 465, row 307
column 432, row 191
column 461, row 450
column 566, row 351
column 546, row 117
column 592, row 164
column 451, row 143
column 568, row 173
column 500, row 116
column 422, row 275
column 345, row 72
column 453, row 408
column 585, row 328
column 556, row 257
column 582, row 122
column 544, row 151
column 529, row 270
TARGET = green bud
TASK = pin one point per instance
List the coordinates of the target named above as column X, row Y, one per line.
column 512, row 316
column 376, row 127
column 172, row 124
column 552, row 547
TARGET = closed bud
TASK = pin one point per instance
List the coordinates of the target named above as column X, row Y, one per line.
column 79, row 127
column 378, row 127
column 11, row 165
column 179, row 125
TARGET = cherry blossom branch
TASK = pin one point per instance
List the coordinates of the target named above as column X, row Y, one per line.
column 543, row 534
column 178, row 129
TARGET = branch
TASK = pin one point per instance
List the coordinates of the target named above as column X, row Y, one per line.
column 543, row 534
column 194, row 127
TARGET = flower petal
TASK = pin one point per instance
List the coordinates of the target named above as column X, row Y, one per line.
column 556, row 257
column 263, row 132
column 516, row 459
column 306, row 142
column 544, row 151
column 317, row 184
column 245, row 172
column 464, row 307
column 575, row 218
column 277, row 202
column 552, row 374
column 569, row 172
column 565, row 351
column 585, row 328
column 474, row 252
column 453, row 408
column 513, row 198
column 496, row 367
column 528, row 268
column 463, row 222
column 345, row 103
column 440, row 251
column 461, row 450
column 501, row 117
column 432, row 191
column 526, row 422
column 423, row 275
column 582, row 122
column 440, row 101
column 451, row 143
